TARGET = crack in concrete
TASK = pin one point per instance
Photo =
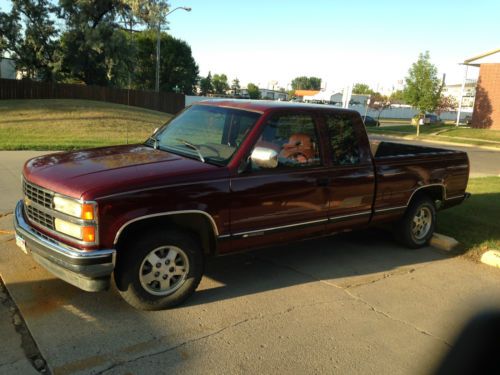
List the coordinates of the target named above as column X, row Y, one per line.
column 359, row 299
column 210, row 335
column 3, row 214
column 384, row 276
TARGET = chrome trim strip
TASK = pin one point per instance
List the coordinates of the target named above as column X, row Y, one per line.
column 62, row 249
column 425, row 186
column 333, row 218
column 455, row 197
column 168, row 213
column 390, row 209
column 258, row 231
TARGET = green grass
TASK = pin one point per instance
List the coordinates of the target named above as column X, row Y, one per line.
column 476, row 222
column 55, row 124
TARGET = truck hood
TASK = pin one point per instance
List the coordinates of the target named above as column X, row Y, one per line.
column 92, row 173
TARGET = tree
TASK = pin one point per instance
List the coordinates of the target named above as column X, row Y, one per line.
column 397, row 97
column 28, row 32
column 93, row 48
column 235, row 87
column 362, row 89
column 423, row 87
column 149, row 12
column 178, row 70
column 379, row 102
column 206, row 86
column 446, row 103
column 306, row 83
column 220, row 84
column 253, row 91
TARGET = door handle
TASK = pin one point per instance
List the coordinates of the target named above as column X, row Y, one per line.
column 323, row 181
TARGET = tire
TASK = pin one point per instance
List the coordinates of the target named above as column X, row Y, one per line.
column 416, row 227
column 158, row 270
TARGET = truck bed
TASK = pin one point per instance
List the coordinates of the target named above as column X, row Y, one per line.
column 382, row 149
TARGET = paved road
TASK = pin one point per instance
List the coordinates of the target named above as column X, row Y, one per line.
column 484, row 162
column 354, row 303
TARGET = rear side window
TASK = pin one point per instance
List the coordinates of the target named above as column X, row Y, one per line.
column 343, row 141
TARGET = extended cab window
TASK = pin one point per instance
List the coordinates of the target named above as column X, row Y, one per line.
column 293, row 137
column 343, row 141
column 211, row 134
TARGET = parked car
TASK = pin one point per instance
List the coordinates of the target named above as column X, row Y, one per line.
column 222, row 177
column 429, row 119
column 370, row 121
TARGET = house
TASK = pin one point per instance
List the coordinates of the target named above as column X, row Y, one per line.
column 486, row 112
column 7, row 68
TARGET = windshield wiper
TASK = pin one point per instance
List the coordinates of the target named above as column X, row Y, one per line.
column 155, row 142
column 192, row 147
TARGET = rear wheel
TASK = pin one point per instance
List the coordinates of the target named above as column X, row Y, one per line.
column 417, row 226
column 159, row 270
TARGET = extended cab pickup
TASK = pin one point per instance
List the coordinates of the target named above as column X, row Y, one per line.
column 221, row 177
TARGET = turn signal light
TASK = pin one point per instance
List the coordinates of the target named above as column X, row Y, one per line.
column 88, row 234
column 87, row 212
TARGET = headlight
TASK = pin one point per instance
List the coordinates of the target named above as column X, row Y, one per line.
column 86, row 234
column 74, row 208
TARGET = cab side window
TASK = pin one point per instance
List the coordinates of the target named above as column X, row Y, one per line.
column 344, row 143
column 294, row 138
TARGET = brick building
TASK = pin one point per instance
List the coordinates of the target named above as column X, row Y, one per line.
column 486, row 112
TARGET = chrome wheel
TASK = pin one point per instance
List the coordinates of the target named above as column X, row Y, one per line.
column 164, row 270
column 421, row 224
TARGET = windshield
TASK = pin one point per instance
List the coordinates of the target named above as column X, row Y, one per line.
column 209, row 134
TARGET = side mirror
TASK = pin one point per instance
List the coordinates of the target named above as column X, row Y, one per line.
column 264, row 157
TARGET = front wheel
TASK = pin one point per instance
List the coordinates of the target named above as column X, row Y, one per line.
column 417, row 226
column 159, row 269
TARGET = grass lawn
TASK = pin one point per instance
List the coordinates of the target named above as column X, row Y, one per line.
column 476, row 222
column 55, row 124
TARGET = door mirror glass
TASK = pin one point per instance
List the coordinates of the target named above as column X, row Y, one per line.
column 264, row 157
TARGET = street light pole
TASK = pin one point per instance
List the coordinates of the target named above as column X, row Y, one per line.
column 157, row 83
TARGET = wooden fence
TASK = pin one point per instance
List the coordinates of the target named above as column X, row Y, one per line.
column 25, row 89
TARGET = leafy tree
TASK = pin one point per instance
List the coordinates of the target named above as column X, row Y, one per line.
column 379, row 102
column 235, row 87
column 149, row 12
column 398, row 97
column 206, row 85
column 253, row 91
column 93, row 48
column 220, row 84
column 178, row 70
column 306, row 83
column 446, row 103
column 362, row 89
column 29, row 34
column 423, row 87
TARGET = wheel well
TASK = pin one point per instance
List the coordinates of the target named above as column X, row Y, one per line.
column 435, row 192
column 195, row 224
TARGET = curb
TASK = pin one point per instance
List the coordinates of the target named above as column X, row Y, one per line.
column 491, row 258
column 414, row 138
column 443, row 242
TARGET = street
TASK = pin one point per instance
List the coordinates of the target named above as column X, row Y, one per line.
column 355, row 303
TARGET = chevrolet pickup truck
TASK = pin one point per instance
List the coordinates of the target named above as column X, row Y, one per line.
column 222, row 177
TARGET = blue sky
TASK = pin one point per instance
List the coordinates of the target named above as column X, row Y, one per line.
column 340, row 41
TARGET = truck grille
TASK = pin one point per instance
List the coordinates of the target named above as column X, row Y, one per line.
column 42, row 197
column 40, row 217
column 37, row 195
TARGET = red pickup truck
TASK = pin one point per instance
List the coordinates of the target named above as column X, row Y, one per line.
column 221, row 177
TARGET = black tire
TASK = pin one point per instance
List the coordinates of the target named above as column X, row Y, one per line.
column 406, row 230
column 134, row 269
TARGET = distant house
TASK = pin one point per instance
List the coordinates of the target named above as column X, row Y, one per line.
column 266, row 94
column 7, row 68
column 486, row 113
column 469, row 94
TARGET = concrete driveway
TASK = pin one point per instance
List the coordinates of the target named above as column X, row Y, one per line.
column 355, row 303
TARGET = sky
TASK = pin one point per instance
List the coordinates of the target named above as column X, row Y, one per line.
column 270, row 42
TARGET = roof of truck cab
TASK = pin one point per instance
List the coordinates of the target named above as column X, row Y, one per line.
column 262, row 106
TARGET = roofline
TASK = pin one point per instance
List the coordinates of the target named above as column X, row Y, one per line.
column 469, row 61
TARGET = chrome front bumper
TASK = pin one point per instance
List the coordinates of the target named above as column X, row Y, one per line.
column 87, row 270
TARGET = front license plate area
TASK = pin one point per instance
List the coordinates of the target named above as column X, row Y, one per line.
column 22, row 244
